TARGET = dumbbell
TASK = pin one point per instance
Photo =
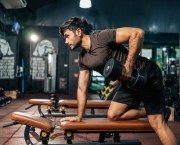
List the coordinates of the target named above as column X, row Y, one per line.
column 113, row 70
column 8, row 99
column 55, row 98
column 1, row 92
column 2, row 101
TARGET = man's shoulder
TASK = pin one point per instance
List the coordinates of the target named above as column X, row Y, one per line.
column 104, row 37
column 82, row 53
column 103, row 34
column 103, row 31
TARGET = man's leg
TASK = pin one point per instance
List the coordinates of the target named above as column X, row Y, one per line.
column 165, row 134
column 119, row 111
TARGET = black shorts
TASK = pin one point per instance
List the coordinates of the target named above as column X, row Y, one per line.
column 152, row 94
column 126, row 96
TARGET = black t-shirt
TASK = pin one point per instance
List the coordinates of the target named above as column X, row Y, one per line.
column 103, row 47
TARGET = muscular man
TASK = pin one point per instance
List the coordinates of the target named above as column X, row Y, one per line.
column 97, row 49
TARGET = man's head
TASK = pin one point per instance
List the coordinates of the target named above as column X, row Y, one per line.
column 73, row 30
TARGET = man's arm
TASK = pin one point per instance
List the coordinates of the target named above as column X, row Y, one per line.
column 134, row 37
column 82, row 89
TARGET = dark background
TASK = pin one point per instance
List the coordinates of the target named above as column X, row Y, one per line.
column 150, row 15
column 160, row 20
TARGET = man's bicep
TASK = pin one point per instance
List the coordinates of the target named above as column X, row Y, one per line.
column 123, row 34
column 84, row 77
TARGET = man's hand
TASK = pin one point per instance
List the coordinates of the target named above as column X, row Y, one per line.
column 126, row 73
column 71, row 119
column 114, row 83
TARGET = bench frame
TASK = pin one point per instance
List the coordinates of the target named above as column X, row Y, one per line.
column 44, row 137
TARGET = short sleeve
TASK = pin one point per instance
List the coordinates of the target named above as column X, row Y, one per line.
column 81, row 65
column 107, row 36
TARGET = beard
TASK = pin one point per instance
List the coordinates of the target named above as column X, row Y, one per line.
column 77, row 44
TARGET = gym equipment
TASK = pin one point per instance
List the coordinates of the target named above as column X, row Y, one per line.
column 50, row 72
column 4, row 100
column 1, row 92
column 113, row 70
column 108, row 92
column 55, row 106
column 88, row 125
column 7, row 99
column 64, row 104
column 105, row 92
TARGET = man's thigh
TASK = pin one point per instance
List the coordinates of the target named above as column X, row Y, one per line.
column 126, row 97
column 116, row 108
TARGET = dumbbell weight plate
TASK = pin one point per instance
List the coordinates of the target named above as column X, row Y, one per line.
column 112, row 69
column 138, row 80
column 3, row 101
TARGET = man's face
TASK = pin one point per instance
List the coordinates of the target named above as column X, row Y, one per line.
column 73, row 39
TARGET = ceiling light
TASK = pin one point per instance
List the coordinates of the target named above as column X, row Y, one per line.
column 34, row 37
column 85, row 3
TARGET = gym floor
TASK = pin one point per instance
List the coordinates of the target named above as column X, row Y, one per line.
column 13, row 135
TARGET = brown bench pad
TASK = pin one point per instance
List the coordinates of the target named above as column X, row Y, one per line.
column 34, row 121
column 105, row 125
column 90, row 103
column 41, row 102
column 86, row 125
column 71, row 103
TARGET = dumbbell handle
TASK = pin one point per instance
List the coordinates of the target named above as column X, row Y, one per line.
column 132, row 78
column 138, row 81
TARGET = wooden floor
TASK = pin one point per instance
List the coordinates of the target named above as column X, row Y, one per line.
column 13, row 135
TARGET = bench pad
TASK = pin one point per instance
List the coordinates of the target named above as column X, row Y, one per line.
column 34, row 121
column 105, row 125
column 41, row 102
column 86, row 125
column 71, row 103
column 90, row 103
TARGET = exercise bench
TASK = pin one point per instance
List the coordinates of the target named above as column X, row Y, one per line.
column 62, row 105
column 87, row 125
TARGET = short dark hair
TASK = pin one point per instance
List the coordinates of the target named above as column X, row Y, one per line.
column 76, row 22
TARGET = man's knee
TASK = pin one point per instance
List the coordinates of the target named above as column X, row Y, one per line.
column 156, row 122
column 117, row 110
column 114, row 116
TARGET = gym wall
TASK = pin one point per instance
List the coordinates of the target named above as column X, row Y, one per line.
column 8, row 61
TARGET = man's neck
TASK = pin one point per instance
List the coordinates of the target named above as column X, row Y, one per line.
column 86, row 43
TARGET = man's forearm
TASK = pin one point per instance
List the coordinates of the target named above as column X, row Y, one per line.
column 135, row 45
column 82, row 99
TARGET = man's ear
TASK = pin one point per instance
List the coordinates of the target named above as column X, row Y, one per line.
column 78, row 32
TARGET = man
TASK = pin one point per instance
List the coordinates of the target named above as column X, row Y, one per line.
column 97, row 49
